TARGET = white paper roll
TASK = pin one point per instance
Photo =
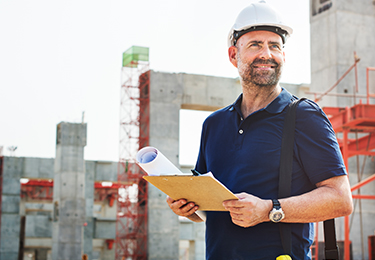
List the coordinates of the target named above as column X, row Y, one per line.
column 154, row 163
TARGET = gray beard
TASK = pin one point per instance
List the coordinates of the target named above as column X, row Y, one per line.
column 262, row 78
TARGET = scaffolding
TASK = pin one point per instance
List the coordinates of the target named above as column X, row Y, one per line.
column 131, row 219
column 355, row 130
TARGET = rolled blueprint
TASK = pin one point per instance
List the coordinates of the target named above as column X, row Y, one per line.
column 154, row 163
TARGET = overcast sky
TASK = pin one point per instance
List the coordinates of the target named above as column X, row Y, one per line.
column 60, row 58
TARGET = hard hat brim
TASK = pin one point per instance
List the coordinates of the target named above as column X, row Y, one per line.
column 282, row 33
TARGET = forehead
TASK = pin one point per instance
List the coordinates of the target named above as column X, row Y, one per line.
column 262, row 36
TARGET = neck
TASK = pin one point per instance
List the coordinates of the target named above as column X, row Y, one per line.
column 256, row 97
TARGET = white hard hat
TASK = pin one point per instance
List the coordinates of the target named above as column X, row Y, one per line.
column 255, row 17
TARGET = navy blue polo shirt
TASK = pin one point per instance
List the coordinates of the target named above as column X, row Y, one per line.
column 244, row 154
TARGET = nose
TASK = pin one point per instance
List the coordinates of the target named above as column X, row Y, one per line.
column 265, row 52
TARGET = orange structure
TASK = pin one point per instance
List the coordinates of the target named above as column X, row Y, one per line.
column 349, row 123
column 42, row 190
column 131, row 224
column 358, row 119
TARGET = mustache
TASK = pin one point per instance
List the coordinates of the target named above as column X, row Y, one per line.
column 271, row 62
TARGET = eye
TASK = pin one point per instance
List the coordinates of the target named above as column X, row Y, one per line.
column 255, row 45
column 275, row 47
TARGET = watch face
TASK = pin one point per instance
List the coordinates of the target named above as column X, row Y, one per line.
column 277, row 216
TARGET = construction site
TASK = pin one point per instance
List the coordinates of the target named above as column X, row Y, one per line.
column 67, row 208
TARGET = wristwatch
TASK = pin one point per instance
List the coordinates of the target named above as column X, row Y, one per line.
column 276, row 214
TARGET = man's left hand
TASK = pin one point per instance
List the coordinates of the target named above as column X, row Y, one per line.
column 248, row 210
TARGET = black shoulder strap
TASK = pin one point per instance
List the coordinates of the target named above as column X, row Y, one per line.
column 286, row 157
column 285, row 173
column 285, row 183
column 331, row 249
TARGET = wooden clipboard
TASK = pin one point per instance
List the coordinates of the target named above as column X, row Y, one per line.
column 205, row 191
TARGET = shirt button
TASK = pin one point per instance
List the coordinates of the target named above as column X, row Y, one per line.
column 241, row 131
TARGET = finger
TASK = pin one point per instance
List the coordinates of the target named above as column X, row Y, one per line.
column 238, row 210
column 169, row 200
column 232, row 203
column 187, row 209
column 241, row 195
column 241, row 220
column 241, row 223
column 175, row 203
column 235, row 217
column 234, row 209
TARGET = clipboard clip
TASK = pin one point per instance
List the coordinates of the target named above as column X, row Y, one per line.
column 195, row 172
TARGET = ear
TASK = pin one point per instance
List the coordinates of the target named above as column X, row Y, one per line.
column 232, row 53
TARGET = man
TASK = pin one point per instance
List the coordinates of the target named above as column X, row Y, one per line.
column 240, row 145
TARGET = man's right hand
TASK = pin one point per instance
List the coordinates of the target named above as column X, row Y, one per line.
column 184, row 209
column 181, row 207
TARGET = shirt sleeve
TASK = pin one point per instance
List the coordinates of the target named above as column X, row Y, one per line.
column 316, row 145
column 201, row 165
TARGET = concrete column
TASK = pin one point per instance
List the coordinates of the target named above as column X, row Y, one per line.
column 163, row 224
column 88, row 233
column 10, row 207
column 168, row 94
column 69, row 192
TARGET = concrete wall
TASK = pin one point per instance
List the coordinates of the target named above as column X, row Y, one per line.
column 298, row 90
column 345, row 28
column 194, row 232
column 10, row 204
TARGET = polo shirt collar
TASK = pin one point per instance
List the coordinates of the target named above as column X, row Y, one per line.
column 279, row 103
column 275, row 107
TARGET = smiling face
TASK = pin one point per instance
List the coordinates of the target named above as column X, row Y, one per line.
column 259, row 58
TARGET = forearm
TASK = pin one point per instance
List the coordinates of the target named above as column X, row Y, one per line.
column 325, row 202
column 331, row 199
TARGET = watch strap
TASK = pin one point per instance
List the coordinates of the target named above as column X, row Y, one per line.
column 276, row 204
